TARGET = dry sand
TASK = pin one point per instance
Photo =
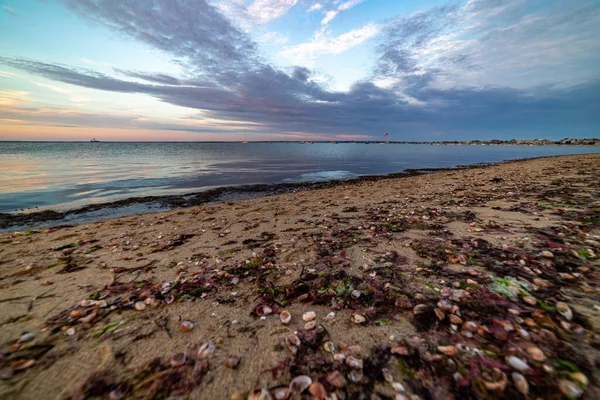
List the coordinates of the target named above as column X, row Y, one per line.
column 397, row 244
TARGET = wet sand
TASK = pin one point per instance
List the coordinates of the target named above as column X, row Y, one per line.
column 476, row 283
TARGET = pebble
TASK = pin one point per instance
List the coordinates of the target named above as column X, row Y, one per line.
column 232, row 362
column 353, row 362
column 300, row 383
column 564, row 310
column 570, row 389
column 310, row 325
column 358, row 319
column 536, row 354
column 520, row 383
column 309, row 316
column 448, row 350
column 26, row 337
column 336, row 379
column 186, row 326
column 547, row 254
column 518, row 364
column 140, row 306
column 318, row 391
column 285, row 317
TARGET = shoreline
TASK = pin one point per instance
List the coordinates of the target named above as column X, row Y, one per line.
column 481, row 282
column 40, row 219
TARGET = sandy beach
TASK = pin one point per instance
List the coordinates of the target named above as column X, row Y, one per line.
column 477, row 283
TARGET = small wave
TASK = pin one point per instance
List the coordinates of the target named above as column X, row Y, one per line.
column 322, row 176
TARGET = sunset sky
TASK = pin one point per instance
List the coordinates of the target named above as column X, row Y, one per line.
column 296, row 69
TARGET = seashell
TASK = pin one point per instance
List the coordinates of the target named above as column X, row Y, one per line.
column 448, row 350
column 336, row 379
column 177, row 359
column 70, row 332
column 355, row 294
column 235, row 281
column 169, row 299
column 330, row 315
column 293, row 342
column 444, row 305
column 299, row 384
column 358, row 319
column 310, row 325
column 205, row 351
column 339, row 357
column 87, row 303
column 186, row 326
column 532, row 301
column 581, row 378
column 439, row 314
column 517, row 364
column 263, row 310
column 564, row 310
column 520, row 383
column 262, row 394
column 455, row 319
column 318, row 391
column 75, row 314
column 329, row 347
column 237, row 396
column 282, row 393
column 355, row 375
column 547, row 254
column 309, row 316
column 232, row 362
column 536, row 354
column 570, row 389
column 285, row 317
column 398, row 387
column 140, row 306
column 499, row 382
column 22, row 365
column 353, row 362
column 26, row 337
column 420, row 309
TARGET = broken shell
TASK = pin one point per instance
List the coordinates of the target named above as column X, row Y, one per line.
column 329, row 347
column 285, row 317
column 262, row 394
column 169, row 299
column 282, row 393
column 448, row 350
column 358, row 319
column 70, row 332
column 420, row 309
column 293, row 342
column 336, row 379
column 355, row 294
column 355, row 375
column 205, row 351
column 299, row 384
column 564, row 310
column 263, row 310
column 318, row 391
column 26, row 337
column 140, row 306
column 520, row 383
column 310, row 325
column 570, row 389
column 232, row 362
column 187, row 326
column 499, row 381
column 177, row 359
column 331, row 315
column 309, row 316
column 536, row 354
column 22, row 365
column 353, row 362
column 517, row 364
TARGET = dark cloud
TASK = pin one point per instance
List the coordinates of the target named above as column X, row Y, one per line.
column 226, row 77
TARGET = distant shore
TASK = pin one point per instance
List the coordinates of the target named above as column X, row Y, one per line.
column 479, row 282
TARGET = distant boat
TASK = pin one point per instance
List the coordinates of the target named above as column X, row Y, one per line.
column 94, row 140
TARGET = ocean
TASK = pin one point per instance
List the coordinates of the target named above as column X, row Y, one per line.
column 64, row 175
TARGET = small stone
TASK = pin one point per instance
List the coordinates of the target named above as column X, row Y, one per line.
column 310, row 325
column 581, row 378
column 232, row 362
column 318, row 391
column 186, row 326
column 448, row 350
column 420, row 309
column 547, row 254
column 355, row 294
column 329, row 347
column 330, row 315
column 353, row 362
column 140, row 306
column 530, row 300
column 299, row 384
column 336, row 379
column 70, row 332
column 26, row 337
column 309, row 316
column 237, row 396
column 358, row 319
column 455, row 319
column 518, row 364
column 536, row 354
column 564, row 310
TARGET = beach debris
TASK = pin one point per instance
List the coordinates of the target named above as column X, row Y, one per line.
column 318, row 391
column 570, row 389
column 520, row 383
column 281, row 393
column 336, row 379
column 187, row 326
column 564, row 310
column 518, row 364
column 261, row 394
column 358, row 319
column 536, row 354
column 263, row 310
column 232, row 362
column 26, row 337
column 310, row 325
column 140, row 306
column 293, row 343
column 353, row 362
column 329, row 347
column 285, row 317
column 206, row 350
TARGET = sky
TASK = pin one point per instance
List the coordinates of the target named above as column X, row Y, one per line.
column 179, row 70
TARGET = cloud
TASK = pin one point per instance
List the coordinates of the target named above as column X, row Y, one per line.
column 264, row 11
column 486, row 69
column 272, row 38
column 345, row 6
column 315, row 7
column 322, row 44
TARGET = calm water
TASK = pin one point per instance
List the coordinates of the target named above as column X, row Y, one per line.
column 59, row 175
